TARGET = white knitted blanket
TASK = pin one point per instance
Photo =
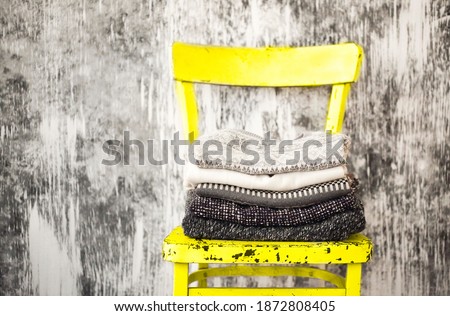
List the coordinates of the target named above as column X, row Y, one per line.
column 194, row 175
column 246, row 152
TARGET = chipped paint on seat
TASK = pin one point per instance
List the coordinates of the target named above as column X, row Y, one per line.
column 178, row 247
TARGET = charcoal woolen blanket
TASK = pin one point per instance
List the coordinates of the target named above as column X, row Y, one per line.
column 337, row 227
column 255, row 215
column 278, row 199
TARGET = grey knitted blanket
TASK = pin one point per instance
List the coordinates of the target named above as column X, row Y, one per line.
column 249, row 153
column 255, row 215
column 278, row 199
column 337, row 227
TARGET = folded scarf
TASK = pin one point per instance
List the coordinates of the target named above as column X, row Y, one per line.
column 337, row 227
column 254, row 215
column 308, row 195
column 245, row 152
column 279, row 182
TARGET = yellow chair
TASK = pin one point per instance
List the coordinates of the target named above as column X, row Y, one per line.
column 336, row 65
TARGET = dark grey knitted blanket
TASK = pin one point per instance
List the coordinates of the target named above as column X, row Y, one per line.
column 337, row 227
column 255, row 215
column 278, row 199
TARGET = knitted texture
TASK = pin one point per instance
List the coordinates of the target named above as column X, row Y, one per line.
column 337, row 227
column 277, row 199
column 248, row 153
column 255, row 215
column 194, row 175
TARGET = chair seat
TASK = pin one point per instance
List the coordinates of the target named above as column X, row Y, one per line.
column 178, row 247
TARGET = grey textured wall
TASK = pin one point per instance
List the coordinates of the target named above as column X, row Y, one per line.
column 76, row 73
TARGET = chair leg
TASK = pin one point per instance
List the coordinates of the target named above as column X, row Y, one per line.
column 353, row 279
column 180, row 279
column 203, row 282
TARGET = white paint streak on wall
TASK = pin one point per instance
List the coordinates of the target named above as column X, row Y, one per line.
column 54, row 268
column 138, row 249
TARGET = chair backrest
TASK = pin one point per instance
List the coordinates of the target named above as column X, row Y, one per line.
column 337, row 65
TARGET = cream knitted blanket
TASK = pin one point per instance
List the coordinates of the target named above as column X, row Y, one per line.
column 249, row 153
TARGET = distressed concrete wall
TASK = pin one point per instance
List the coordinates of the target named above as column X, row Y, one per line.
column 76, row 73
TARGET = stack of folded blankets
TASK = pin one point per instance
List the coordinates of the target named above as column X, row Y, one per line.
column 250, row 190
